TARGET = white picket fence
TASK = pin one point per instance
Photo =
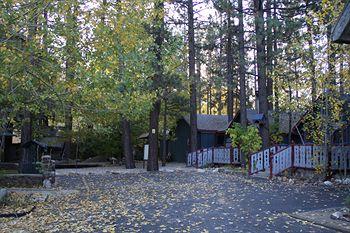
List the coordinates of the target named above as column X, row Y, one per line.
column 309, row 157
column 341, row 157
column 281, row 157
column 281, row 161
column 204, row 157
column 260, row 160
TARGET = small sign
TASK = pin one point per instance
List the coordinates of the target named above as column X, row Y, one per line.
column 153, row 131
column 145, row 152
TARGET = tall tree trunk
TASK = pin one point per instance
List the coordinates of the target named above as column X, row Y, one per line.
column 192, row 75
column 164, row 152
column 28, row 158
column 341, row 78
column 330, row 88
column 275, row 86
column 269, row 55
column 71, row 49
column 26, row 136
column 241, row 67
column 208, row 98
column 68, row 122
column 127, row 147
column 219, row 101
column 260, row 46
column 311, row 62
column 152, row 163
column 229, row 60
column 199, row 86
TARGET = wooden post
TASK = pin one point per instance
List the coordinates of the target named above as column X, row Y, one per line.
column 212, row 154
column 292, row 155
column 231, row 155
column 249, row 166
column 271, row 165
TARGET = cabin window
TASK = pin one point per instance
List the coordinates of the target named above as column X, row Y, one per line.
column 220, row 140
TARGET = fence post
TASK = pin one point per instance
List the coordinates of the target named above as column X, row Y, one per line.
column 249, row 166
column 196, row 159
column 271, row 165
column 212, row 154
column 293, row 156
column 231, row 155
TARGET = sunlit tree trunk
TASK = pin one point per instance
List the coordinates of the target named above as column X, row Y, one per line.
column 127, row 146
column 152, row 164
column 229, row 63
column 261, row 58
column 192, row 75
column 241, row 67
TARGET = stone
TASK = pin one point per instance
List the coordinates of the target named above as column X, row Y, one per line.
column 328, row 183
column 47, row 184
column 343, row 181
column 216, row 170
column 3, row 193
column 337, row 215
column 346, row 181
column 39, row 197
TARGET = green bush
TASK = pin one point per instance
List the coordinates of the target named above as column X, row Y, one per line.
column 104, row 143
column 247, row 139
column 347, row 201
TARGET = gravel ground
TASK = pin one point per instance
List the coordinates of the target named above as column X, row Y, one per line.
column 176, row 201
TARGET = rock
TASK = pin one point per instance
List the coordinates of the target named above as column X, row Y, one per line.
column 3, row 193
column 47, row 184
column 328, row 183
column 343, row 181
column 291, row 181
column 216, row 170
column 346, row 181
column 337, row 215
column 39, row 197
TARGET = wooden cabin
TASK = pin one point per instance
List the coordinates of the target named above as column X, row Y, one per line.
column 211, row 133
column 285, row 121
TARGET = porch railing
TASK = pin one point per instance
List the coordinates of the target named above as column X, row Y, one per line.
column 260, row 160
column 309, row 157
column 204, row 157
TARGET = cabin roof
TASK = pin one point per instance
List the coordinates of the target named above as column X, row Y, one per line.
column 341, row 30
column 252, row 116
column 206, row 122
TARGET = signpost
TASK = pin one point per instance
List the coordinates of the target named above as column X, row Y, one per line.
column 145, row 154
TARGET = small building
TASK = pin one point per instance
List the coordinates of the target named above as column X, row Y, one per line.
column 211, row 133
column 283, row 121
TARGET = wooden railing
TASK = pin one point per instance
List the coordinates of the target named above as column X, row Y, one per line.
column 281, row 161
column 260, row 161
column 204, row 157
column 309, row 157
column 277, row 158
column 340, row 157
